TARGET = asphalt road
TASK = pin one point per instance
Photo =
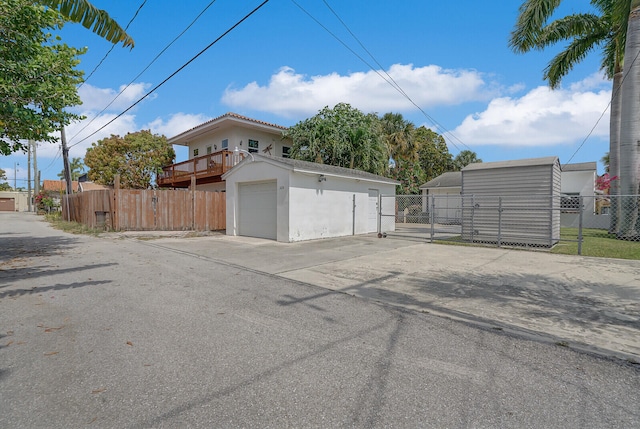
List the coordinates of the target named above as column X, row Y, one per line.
column 107, row 332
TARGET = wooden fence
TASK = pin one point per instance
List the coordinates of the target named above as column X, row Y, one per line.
column 147, row 210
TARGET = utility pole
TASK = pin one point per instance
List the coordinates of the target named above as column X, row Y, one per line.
column 29, row 175
column 15, row 176
column 65, row 160
column 36, row 173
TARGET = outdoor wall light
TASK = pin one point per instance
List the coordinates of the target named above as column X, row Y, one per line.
column 322, row 178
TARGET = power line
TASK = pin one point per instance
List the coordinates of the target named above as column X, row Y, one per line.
column 143, row 70
column 614, row 94
column 113, row 45
column 177, row 71
column 387, row 79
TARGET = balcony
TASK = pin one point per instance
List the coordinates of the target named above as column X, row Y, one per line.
column 206, row 169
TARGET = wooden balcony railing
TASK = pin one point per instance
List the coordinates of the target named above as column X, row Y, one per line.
column 206, row 169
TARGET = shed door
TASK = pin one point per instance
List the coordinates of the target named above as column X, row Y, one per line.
column 257, row 208
column 372, row 224
column 7, row 204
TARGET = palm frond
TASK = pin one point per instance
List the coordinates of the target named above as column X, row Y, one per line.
column 532, row 17
column 92, row 18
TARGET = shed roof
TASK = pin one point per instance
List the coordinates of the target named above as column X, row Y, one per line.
column 580, row 166
column 222, row 121
column 529, row 162
column 314, row 168
column 449, row 179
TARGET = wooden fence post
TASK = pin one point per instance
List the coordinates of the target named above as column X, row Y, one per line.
column 116, row 188
column 193, row 202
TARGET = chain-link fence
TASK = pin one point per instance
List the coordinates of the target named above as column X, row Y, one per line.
column 530, row 221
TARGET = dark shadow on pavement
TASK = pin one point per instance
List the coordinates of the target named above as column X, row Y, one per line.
column 20, row 246
column 9, row 275
column 20, row 292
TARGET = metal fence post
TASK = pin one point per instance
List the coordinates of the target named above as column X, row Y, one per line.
column 380, row 213
column 580, row 225
column 473, row 215
column 432, row 217
column 499, row 220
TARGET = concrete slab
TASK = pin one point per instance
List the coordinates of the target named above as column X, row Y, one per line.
column 585, row 303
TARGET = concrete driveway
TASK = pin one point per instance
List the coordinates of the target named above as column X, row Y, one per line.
column 585, row 303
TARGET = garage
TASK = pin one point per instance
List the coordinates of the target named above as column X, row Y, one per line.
column 7, row 204
column 257, row 209
column 290, row 200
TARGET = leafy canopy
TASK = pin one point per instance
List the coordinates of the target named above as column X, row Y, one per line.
column 37, row 75
column 346, row 137
column 342, row 136
column 4, row 186
column 137, row 157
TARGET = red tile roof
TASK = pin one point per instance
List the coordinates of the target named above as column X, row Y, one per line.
column 58, row 185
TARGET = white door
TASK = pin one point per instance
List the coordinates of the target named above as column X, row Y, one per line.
column 372, row 224
column 257, row 208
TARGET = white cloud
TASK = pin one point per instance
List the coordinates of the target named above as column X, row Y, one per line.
column 176, row 124
column 97, row 99
column 75, row 133
column 291, row 94
column 541, row 117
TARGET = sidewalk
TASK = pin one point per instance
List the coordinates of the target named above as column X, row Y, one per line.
column 584, row 303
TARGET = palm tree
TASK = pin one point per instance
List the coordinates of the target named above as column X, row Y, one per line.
column 465, row 158
column 630, row 130
column 398, row 136
column 96, row 20
column 585, row 32
column 76, row 168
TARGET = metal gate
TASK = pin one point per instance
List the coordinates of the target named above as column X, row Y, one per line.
column 427, row 217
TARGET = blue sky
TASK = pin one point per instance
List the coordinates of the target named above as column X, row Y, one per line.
column 292, row 58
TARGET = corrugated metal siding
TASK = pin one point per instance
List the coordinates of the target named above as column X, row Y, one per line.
column 512, row 205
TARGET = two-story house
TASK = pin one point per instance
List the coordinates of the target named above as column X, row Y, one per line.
column 212, row 150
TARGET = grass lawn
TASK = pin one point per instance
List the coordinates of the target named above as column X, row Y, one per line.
column 596, row 242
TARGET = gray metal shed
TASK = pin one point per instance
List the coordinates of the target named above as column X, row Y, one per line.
column 512, row 202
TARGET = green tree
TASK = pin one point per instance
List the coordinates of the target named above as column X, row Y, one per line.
column 342, row 136
column 465, row 158
column 433, row 154
column 137, row 157
column 92, row 18
column 37, row 75
column 76, row 166
column 4, row 186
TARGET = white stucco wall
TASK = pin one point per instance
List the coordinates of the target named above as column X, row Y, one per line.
column 326, row 209
column 306, row 208
column 259, row 172
column 238, row 136
column 582, row 182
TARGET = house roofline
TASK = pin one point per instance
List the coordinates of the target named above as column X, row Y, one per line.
column 186, row 137
column 305, row 167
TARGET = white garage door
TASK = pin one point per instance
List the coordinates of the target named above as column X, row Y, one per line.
column 257, row 208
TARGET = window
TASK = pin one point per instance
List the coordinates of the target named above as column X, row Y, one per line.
column 195, row 152
column 208, row 150
column 225, row 144
column 285, row 151
column 253, row 146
